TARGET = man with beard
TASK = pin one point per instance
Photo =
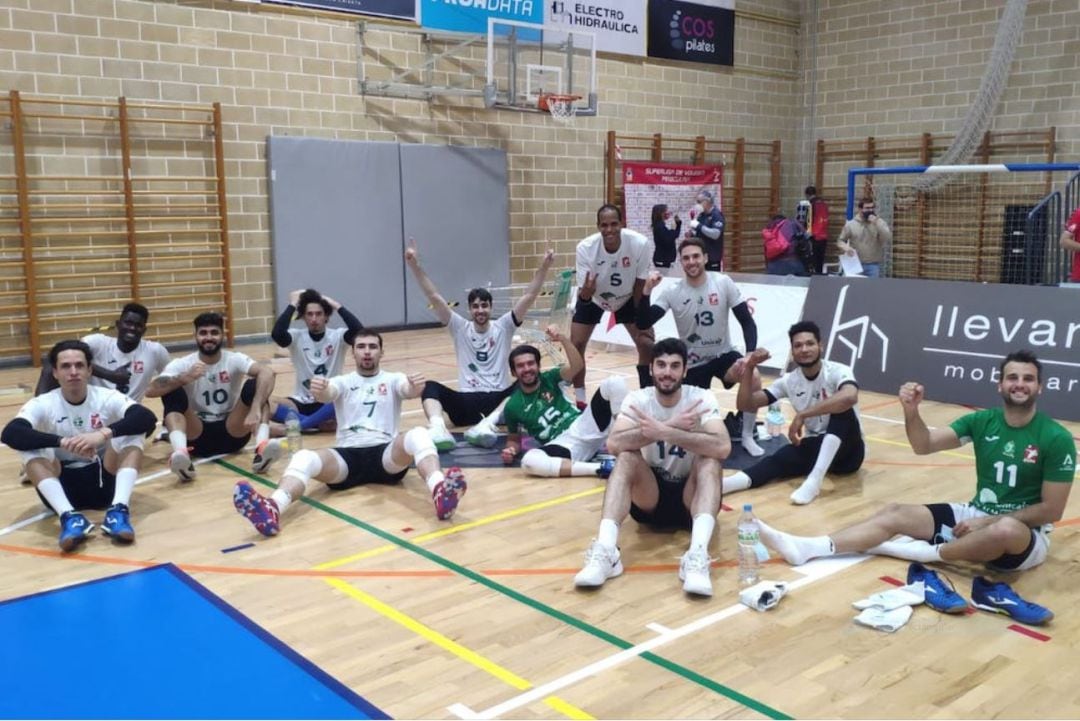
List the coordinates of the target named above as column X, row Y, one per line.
column 700, row 304
column 669, row 441
column 369, row 447
column 216, row 399
column 1024, row 466
column 825, row 434
column 482, row 348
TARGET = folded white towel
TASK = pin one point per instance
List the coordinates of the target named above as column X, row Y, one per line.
column 763, row 595
column 911, row 595
column 889, row 621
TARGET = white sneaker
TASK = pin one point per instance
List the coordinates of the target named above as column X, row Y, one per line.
column 180, row 464
column 694, row 572
column 265, row 454
column 483, row 435
column 601, row 563
column 442, row 438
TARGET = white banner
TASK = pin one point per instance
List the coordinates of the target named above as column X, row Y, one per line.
column 619, row 25
column 775, row 309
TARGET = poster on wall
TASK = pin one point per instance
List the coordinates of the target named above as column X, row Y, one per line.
column 646, row 185
column 619, row 26
column 399, row 9
column 471, row 16
column 694, row 32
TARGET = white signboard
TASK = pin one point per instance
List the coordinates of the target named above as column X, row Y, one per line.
column 619, row 25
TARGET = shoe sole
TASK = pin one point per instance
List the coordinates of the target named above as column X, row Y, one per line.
column 444, row 446
column 1004, row 612
column 615, row 572
column 951, row 611
column 185, row 472
column 486, row 442
column 127, row 536
column 246, row 506
column 453, row 488
column 697, row 590
column 70, row 544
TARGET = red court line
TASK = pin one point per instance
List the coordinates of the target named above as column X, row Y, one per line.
column 893, row 581
column 882, row 404
column 1028, row 632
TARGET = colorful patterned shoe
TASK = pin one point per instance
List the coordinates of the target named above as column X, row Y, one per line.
column 448, row 493
column 260, row 510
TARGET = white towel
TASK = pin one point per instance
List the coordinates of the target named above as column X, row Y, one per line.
column 763, row 595
column 911, row 595
column 889, row 621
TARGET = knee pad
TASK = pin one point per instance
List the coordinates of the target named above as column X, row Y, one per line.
column 303, row 466
column 538, row 463
column 432, row 390
column 175, row 401
column 247, row 393
column 419, row 445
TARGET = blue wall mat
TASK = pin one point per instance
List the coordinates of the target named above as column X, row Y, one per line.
column 155, row 644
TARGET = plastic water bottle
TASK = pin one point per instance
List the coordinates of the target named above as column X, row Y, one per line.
column 774, row 420
column 749, row 540
column 294, row 441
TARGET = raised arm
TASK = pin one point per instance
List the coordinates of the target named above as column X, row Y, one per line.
column 747, row 398
column 922, row 439
column 749, row 327
column 351, row 321
column 647, row 313
column 521, row 308
column 280, row 332
column 574, row 362
column 165, row 384
column 438, row 304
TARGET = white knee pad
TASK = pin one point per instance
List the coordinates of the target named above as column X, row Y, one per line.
column 305, row 464
column 538, row 463
column 613, row 388
column 419, row 445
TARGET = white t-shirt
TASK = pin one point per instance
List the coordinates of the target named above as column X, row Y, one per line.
column 702, row 314
column 218, row 391
column 482, row 357
column 671, row 463
column 803, row 393
column 147, row 360
column 50, row 413
column 615, row 272
column 368, row 408
column 312, row 358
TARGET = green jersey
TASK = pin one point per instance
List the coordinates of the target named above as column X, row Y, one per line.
column 1012, row 463
column 544, row 413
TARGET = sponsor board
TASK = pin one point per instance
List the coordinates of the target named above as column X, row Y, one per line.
column 619, row 26
column 402, row 9
column 949, row 336
column 693, row 32
column 471, row 16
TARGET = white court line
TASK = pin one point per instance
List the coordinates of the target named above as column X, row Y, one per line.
column 145, row 479
column 658, row 628
column 811, row 572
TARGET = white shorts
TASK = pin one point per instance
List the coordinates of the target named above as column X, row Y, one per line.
column 583, row 439
column 1039, row 550
column 70, row 459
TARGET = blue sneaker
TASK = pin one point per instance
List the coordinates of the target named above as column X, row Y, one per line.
column 1000, row 598
column 117, row 523
column 607, row 465
column 74, row 529
column 939, row 596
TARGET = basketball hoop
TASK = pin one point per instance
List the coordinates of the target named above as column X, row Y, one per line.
column 561, row 107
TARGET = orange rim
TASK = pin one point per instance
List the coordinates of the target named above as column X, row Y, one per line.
column 544, row 100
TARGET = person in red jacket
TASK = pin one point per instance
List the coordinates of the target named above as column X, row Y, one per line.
column 1069, row 241
column 818, row 227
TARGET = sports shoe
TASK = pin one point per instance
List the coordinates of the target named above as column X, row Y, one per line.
column 117, row 523
column 180, row 464
column 442, row 438
column 74, row 529
column 482, row 435
column 448, row 493
column 260, row 510
column 601, row 563
column 939, row 596
column 694, row 572
column 265, row 454
column 1000, row 598
column 607, row 465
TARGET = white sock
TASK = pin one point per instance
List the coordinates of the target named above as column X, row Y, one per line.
column 282, row 499
column 920, row 551
column 796, row 550
column 434, row 479
column 579, row 394
column 178, row 441
column 738, row 481
column 54, row 494
column 262, row 433
column 811, row 487
column 583, row 468
column 749, row 423
column 437, row 423
column 125, row 482
column 609, row 533
column 701, row 531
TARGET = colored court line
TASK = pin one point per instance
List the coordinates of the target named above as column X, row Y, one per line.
column 550, row 611
column 1023, row 631
column 241, row 547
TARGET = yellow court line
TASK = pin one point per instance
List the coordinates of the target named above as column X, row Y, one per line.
column 512, row 513
column 886, row 441
column 452, row 647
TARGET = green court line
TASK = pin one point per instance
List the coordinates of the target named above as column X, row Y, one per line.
column 620, row 643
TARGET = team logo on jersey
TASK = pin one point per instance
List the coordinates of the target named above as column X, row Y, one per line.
column 78, row 422
column 137, row 367
column 1067, row 464
column 1031, row 454
column 382, row 389
column 547, row 396
column 329, row 351
column 1009, row 451
column 223, row 376
column 95, row 421
column 318, row 353
column 714, row 299
column 625, row 262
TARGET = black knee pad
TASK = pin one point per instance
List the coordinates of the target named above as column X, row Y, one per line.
column 247, row 393
column 432, row 391
column 175, row 401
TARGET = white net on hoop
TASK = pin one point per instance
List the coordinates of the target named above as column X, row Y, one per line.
column 562, row 109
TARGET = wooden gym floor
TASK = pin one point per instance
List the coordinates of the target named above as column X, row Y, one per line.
column 478, row 617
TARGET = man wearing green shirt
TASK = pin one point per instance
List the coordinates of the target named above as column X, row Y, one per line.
column 1024, row 461
column 538, row 405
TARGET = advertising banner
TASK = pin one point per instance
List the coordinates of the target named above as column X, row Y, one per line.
column 471, row 16
column 676, row 186
column 401, row 9
column 619, row 25
column 692, row 32
column 949, row 336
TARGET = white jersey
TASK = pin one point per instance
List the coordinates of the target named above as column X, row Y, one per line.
column 218, row 391
column 368, row 408
column 482, row 357
column 803, row 393
column 147, row 360
column 615, row 272
column 702, row 314
column 50, row 413
column 312, row 358
column 672, row 463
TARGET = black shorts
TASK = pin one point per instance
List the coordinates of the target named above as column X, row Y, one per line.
column 306, row 409
column 945, row 518
column 670, row 511
column 468, row 407
column 590, row 313
column 365, row 466
column 86, row 487
column 702, row 375
column 215, row 440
